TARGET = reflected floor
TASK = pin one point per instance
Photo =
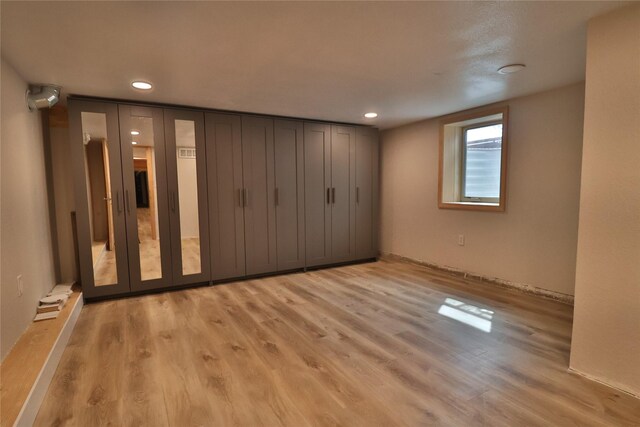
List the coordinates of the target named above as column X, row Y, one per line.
column 105, row 271
column 150, row 264
column 97, row 247
column 191, row 256
column 105, row 268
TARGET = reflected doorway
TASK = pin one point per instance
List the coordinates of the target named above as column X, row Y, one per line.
column 144, row 175
column 100, row 200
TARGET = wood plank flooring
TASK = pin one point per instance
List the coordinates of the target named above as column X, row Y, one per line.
column 366, row 345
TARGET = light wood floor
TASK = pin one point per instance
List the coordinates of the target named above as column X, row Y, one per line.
column 353, row 346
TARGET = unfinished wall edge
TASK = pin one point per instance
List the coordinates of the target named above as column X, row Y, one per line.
column 521, row 287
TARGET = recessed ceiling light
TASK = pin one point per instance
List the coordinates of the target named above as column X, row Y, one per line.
column 141, row 85
column 134, row 142
column 371, row 115
column 511, row 68
column 135, row 132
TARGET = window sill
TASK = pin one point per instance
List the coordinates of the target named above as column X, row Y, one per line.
column 473, row 206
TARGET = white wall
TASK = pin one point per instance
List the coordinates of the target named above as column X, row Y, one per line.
column 25, row 234
column 534, row 241
column 188, row 194
column 606, row 328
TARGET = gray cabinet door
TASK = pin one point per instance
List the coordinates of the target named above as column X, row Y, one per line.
column 188, row 208
column 317, row 184
column 289, row 193
column 367, row 150
column 258, row 195
column 144, row 175
column 224, row 179
column 343, row 215
column 99, row 198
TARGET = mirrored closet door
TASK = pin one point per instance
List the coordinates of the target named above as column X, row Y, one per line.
column 100, row 209
column 146, row 196
column 169, row 197
column 187, row 183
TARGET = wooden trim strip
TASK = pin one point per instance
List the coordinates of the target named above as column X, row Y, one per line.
column 31, row 406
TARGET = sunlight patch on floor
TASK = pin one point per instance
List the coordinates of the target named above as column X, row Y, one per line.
column 479, row 318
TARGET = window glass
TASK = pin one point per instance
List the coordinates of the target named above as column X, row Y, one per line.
column 473, row 147
column 482, row 161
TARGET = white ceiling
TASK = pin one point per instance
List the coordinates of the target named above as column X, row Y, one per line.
column 332, row 60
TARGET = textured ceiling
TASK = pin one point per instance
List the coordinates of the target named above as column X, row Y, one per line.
column 332, row 60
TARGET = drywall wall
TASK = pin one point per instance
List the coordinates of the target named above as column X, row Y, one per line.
column 606, row 328
column 188, row 195
column 534, row 241
column 65, row 203
column 25, row 235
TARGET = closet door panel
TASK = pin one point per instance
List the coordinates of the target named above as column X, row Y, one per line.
column 259, row 193
column 146, row 196
column 189, row 213
column 289, row 171
column 317, row 183
column 367, row 150
column 224, row 178
column 100, row 214
column 343, row 193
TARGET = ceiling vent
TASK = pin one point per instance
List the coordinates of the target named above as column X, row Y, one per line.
column 42, row 96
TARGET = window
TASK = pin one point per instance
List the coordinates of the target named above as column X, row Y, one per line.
column 473, row 153
column 482, row 149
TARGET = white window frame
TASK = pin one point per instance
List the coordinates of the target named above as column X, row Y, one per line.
column 453, row 156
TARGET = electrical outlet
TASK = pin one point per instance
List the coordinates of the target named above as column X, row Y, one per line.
column 461, row 239
column 20, row 286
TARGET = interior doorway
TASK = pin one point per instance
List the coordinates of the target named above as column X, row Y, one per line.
column 143, row 166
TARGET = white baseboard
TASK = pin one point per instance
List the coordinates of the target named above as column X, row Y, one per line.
column 614, row 386
column 31, row 406
column 523, row 287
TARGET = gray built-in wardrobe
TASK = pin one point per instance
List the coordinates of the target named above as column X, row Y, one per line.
column 170, row 197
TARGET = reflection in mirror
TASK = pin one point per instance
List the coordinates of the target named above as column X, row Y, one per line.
column 99, row 197
column 144, row 168
column 188, row 196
